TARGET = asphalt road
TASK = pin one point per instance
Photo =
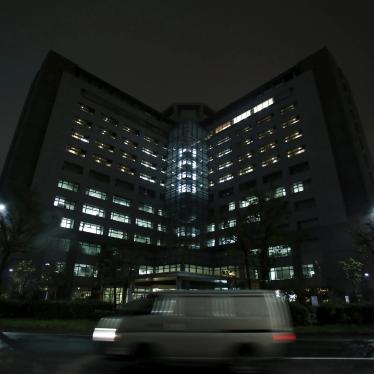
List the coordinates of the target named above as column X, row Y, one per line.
column 67, row 354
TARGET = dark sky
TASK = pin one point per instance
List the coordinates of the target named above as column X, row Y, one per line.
column 164, row 51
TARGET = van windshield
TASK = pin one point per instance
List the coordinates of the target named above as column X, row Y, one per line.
column 137, row 307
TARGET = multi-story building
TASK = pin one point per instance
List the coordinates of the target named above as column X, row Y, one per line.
column 122, row 176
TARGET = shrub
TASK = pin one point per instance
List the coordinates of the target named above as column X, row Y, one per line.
column 301, row 314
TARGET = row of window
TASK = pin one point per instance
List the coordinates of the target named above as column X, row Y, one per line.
column 92, row 228
column 275, row 273
column 114, row 122
column 244, row 115
column 98, row 194
column 288, row 138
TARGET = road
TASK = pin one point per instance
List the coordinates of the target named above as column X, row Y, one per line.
column 34, row 353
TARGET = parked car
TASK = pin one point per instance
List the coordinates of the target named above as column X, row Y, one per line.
column 214, row 326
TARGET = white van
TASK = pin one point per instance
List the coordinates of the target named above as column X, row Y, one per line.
column 199, row 325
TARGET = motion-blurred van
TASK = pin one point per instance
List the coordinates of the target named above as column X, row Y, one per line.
column 199, row 325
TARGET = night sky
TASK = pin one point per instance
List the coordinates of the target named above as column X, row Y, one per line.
column 165, row 51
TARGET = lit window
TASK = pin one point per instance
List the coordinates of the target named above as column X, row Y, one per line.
column 288, row 108
column 80, row 137
column 211, row 183
column 126, row 170
column 84, row 270
column 270, row 161
column 149, row 152
column 130, row 130
column 86, row 108
column 93, row 210
column 291, row 121
column 253, row 110
column 211, row 243
column 104, row 146
column 142, row 239
column 108, row 133
column 282, row 272
column 91, row 228
column 121, row 201
column 146, row 208
column 222, row 127
column 161, row 212
column 148, row 165
column 110, row 120
column 76, row 151
column 293, row 136
column 245, row 156
column 266, row 133
column 187, row 174
column 224, row 152
column 297, row 187
column 184, row 187
column 279, row 192
column 128, row 156
column 119, row 217
column 82, row 122
column 267, row 147
column 232, row 206
column 102, row 160
column 129, row 142
column 308, row 271
column 250, row 200
column 224, row 140
column 67, row 223
column 246, row 170
column 61, row 202
column 143, row 223
column 264, row 119
column 227, row 240
column 225, row 165
column 225, row 178
column 150, row 140
column 96, row 193
column 248, row 141
column 279, row 251
column 295, row 151
column 227, row 224
column 210, row 227
column 161, row 227
column 90, row 248
column 66, row 185
column 245, row 129
column 118, row 234
column 147, row 178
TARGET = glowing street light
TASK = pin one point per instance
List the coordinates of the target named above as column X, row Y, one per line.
column 2, row 208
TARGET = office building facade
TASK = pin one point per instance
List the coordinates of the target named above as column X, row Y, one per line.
column 167, row 190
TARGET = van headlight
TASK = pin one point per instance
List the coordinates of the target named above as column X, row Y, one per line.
column 104, row 334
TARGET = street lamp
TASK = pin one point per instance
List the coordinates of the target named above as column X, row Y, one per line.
column 2, row 208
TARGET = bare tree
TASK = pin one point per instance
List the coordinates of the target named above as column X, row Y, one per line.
column 261, row 227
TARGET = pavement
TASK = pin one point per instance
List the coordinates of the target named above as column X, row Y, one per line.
column 69, row 353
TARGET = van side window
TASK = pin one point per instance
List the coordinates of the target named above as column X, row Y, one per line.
column 198, row 306
column 164, row 306
column 253, row 306
column 223, row 307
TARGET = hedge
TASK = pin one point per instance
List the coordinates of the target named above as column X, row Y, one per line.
column 54, row 309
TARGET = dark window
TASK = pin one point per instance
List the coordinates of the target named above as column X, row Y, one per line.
column 226, row 192
column 305, row 204
column 307, row 223
column 74, row 168
column 99, row 176
column 124, row 185
column 299, row 168
column 272, row 177
column 247, row 186
column 146, row 192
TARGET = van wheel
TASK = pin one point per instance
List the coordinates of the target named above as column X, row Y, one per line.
column 142, row 356
column 244, row 360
